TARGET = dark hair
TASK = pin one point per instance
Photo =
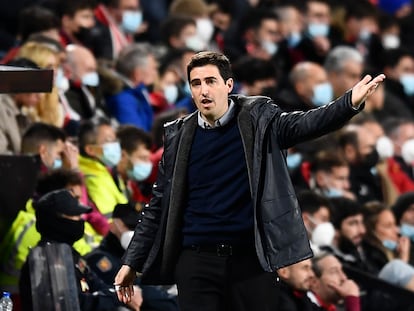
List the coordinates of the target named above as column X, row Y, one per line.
column 250, row 69
column 361, row 9
column 22, row 62
column 343, row 208
column 71, row 7
column 110, row 3
column 392, row 57
column 254, row 18
column 326, row 160
column 39, row 133
column 173, row 26
column 57, row 179
column 211, row 58
column 131, row 137
column 311, row 202
column 348, row 138
column 36, row 19
column 88, row 131
column 400, row 206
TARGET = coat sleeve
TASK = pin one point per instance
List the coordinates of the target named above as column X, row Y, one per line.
column 146, row 229
column 295, row 127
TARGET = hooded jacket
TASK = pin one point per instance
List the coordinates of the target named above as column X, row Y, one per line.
column 266, row 132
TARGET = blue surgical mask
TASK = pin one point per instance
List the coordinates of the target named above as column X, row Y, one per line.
column 61, row 82
column 293, row 160
column 91, row 79
column 407, row 230
column 294, row 39
column 270, row 47
column 322, row 94
column 57, row 163
column 318, row 30
column 131, row 20
column 111, row 153
column 390, row 244
column 407, row 81
column 171, row 93
column 333, row 193
column 140, row 171
column 364, row 35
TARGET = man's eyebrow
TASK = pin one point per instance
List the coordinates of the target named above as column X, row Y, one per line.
column 206, row 78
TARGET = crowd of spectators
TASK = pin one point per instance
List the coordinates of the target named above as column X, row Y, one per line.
column 120, row 73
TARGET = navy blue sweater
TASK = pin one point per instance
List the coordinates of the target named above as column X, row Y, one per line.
column 220, row 208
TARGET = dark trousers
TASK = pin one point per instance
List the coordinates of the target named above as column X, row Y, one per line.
column 207, row 281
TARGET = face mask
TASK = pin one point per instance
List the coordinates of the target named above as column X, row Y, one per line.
column 333, row 193
column 407, row 230
column 390, row 42
column 60, row 229
column 57, row 163
column 126, row 238
column 323, row 234
column 131, row 20
column 82, row 34
column 194, row 43
column 293, row 160
column 270, row 47
column 111, row 153
column 407, row 151
column 318, row 30
column 91, row 79
column 390, row 244
column 407, row 81
column 293, row 39
column 62, row 83
column 171, row 93
column 364, row 35
column 371, row 159
column 385, row 147
column 205, row 29
column 322, row 94
column 140, row 171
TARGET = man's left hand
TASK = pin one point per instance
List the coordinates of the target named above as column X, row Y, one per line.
column 364, row 88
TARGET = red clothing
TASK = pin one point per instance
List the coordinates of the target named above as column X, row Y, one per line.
column 400, row 179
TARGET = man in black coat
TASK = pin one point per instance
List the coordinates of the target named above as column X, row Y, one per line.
column 224, row 215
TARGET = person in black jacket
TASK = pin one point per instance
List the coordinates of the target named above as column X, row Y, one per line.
column 224, row 216
column 59, row 220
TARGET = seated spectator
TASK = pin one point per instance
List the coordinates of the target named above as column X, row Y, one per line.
column 180, row 31
column 330, row 175
column 138, row 67
column 135, row 165
column 46, row 56
column 117, row 22
column 59, row 220
column 331, row 286
column 309, row 88
column 382, row 242
column 295, row 283
column 403, row 210
column 99, row 152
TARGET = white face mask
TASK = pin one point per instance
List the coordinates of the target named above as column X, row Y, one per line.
column 205, row 29
column 407, row 151
column 323, row 234
column 126, row 238
column 390, row 41
column 385, row 147
column 195, row 43
column 171, row 93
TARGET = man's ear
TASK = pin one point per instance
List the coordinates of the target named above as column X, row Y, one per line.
column 91, row 150
column 230, row 84
column 283, row 273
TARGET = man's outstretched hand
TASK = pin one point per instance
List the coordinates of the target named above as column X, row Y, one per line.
column 364, row 88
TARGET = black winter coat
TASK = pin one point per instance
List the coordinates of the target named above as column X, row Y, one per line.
column 266, row 131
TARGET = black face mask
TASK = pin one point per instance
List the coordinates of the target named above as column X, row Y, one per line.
column 371, row 159
column 58, row 229
column 83, row 34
